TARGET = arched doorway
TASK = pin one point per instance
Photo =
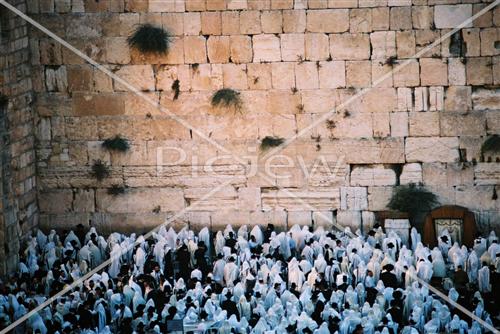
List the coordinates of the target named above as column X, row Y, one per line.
column 458, row 220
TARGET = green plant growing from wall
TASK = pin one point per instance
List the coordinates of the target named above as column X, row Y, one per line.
column 117, row 143
column 100, row 170
column 491, row 145
column 150, row 39
column 412, row 199
column 227, row 97
column 271, row 141
column 116, row 190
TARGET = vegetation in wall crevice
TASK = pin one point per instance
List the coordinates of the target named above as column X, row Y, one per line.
column 412, row 199
column 100, row 170
column 271, row 141
column 116, row 190
column 227, row 97
column 150, row 39
column 117, row 143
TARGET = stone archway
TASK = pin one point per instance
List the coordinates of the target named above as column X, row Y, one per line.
column 456, row 217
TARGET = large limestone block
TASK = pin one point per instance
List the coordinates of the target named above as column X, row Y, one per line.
column 221, row 218
column 195, row 50
column 366, row 151
column 470, row 124
column 458, row 98
column 424, row 124
column 407, row 76
column 456, row 72
column 328, row 20
column 381, row 125
column 360, row 20
column 406, row 47
column 358, row 125
column 259, row 76
column 306, row 75
column 293, row 200
column 353, row 198
column 235, row 76
column 422, row 17
column 372, row 176
column 117, row 50
column 487, row 174
column 375, row 100
column 318, row 101
column 139, row 76
column 317, row 46
column 230, row 23
column 332, row 74
column 450, row 16
column 381, row 74
column 379, row 197
column 84, row 200
column 271, row 21
column 411, row 173
column 479, row 71
column 283, row 75
column 192, row 24
column 477, row 197
column 324, row 218
column 484, row 98
column 383, row 44
column 433, row 72
column 249, row 198
column 241, row 49
column 399, row 124
column 294, row 21
column 56, row 79
column 266, row 47
column 56, row 201
column 443, row 149
column 380, row 18
column 489, row 38
column 301, row 218
column 218, row 49
column 292, row 47
column 350, row 46
column 401, row 18
column 493, row 122
column 358, row 73
column 211, row 23
column 250, row 22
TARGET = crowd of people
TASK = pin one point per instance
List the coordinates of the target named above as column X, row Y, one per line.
column 253, row 281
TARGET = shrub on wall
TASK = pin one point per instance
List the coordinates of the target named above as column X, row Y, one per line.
column 116, row 143
column 150, row 39
column 270, row 141
column 116, row 190
column 412, row 199
column 100, row 170
column 227, row 97
column 491, row 145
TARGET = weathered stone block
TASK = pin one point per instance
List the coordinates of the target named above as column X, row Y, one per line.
column 455, row 124
column 235, row 76
column 259, row 76
column 139, row 76
column 405, row 41
column 211, row 23
column 399, row 124
column 250, row 22
column 372, row 176
column 174, row 22
column 266, row 47
column 405, row 99
column 422, row 17
column 360, row 20
column 458, row 98
column 443, row 149
column 140, row 200
column 487, row 174
column 401, row 18
column 218, row 49
column 294, row 21
column 353, row 198
column 195, row 5
column 472, row 41
column 56, row 201
column 350, row 46
column 479, row 71
column 424, row 124
column 332, row 74
column 271, row 21
column 195, row 50
column 351, row 219
column 450, row 16
column 283, row 75
column 192, row 24
column 380, row 18
column 383, row 44
column 358, row 73
column 408, row 76
column 377, row 100
column 117, row 50
column 483, row 98
column 230, row 23
column 411, row 173
column 292, row 47
column 317, row 47
column 381, row 125
column 241, row 49
column 488, row 39
column 328, row 20
column 379, row 197
column 456, row 72
column 306, row 75
column 433, row 72
column 84, row 200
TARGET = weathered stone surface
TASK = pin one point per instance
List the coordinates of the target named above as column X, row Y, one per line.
column 266, row 47
column 383, row 44
column 241, row 49
column 306, row 75
column 211, row 23
column 294, row 21
column 218, row 49
column 372, row 176
column 328, row 21
column 486, row 174
column 479, row 71
column 456, row 124
column 444, row 149
column 250, row 22
column 271, row 21
column 411, row 173
column 379, row 197
column 56, row 201
column 292, row 47
column 192, row 24
column 483, row 98
column 358, row 74
column 332, row 74
column 353, row 198
column 139, row 76
column 450, row 16
column 360, row 20
column 195, row 50
column 407, row 76
column 424, row 124
column 351, row 219
column 350, row 46
column 317, row 47
column 433, row 72
column 283, row 76
column 294, row 200
column 399, row 124
column 140, row 200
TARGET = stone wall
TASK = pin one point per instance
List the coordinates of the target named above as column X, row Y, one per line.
column 18, row 203
column 292, row 62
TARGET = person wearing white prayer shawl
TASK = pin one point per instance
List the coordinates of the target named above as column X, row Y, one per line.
column 494, row 249
column 308, row 254
column 424, row 270
column 483, row 280
column 438, row 264
column 230, row 272
column 218, row 271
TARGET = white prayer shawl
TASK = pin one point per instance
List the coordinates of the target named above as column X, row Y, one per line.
column 257, row 234
column 230, row 274
column 95, row 255
column 493, row 250
column 204, row 236
column 218, row 271
column 140, row 260
column 484, row 279
column 438, row 264
column 305, row 266
column 424, row 270
column 243, row 232
column 89, row 234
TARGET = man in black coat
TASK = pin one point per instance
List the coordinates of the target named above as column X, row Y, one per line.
column 230, row 307
column 388, row 278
